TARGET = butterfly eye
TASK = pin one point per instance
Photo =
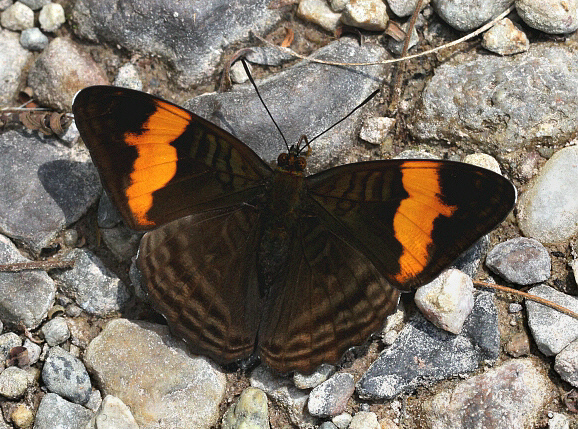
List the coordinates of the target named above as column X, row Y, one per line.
column 283, row 160
column 300, row 163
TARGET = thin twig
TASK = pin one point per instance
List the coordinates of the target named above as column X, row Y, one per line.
column 534, row 298
column 36, row 265
column 401, row 69
column 395, row 60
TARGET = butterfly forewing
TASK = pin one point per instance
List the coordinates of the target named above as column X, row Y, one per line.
column 411, row 218
column 159, row 162
column 200, row 274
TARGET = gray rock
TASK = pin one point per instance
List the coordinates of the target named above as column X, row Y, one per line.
column 56, row 331
column 505, row 38
column 33, row 39
column 423, row 354
column 549, row 16
column 25, row 297
column 5, row 4
column 33, row 350
column 521, row 260
column 558, row 421
column 342, row 421
column 321, row 373
column 13, row 382
column 122, row 241
column 238, row 74
column 484, row 160
column 51, row 17
column 191, row 42
column 403, row 7
column 319, row 12
column 469, row 261
column 35, row 4
column 166, row 382
column 367, row 14
column 364, row 420
column 7, row 342
column 268, row 56
column 107, row 215
column 61, row 71
column 55, row 412
column 327, row 425
column 17, row 17
column 566, row 363
column 66, row 376
column 375, row 129
column 249, row 412
column 338, row 5
column 465, row 15
column 13, row 61
column 509, row 396
column 501, row 104
column 518, row 345
column 95, row 288
column 447, row 300
column 552, row 330
column 548, row 210
column 287, row 396
column 127, row 77
column 330, row 398
column 295, row 96
column 113, row 414
column 54, row 187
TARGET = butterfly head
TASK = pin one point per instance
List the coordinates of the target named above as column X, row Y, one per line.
column 292, row 161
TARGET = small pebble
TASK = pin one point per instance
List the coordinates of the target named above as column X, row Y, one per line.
column 318, row 12
column 238, row 74
column 13, row 382
column 17, row 17
column 128, row 77
column 33, row 39
column 375, row 129
column 549, row 16
column 51, row 17
column 505, row 38
column 520, row 260
column 342, row 421
column 364, row 420
column 56, row 331
column 366, row 14
column 70, row 237
column 22, row 417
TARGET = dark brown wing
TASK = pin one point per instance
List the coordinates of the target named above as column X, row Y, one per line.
column 159, row 162
column 200, row 274
column 330, row 298
column 411, row 218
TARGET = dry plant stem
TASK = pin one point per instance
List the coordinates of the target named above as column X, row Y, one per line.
column 528, row 296
column 395, row 60
column 36, row 265
column 401, row 69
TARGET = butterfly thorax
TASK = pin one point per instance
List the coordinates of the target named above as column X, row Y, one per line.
column 280, row 221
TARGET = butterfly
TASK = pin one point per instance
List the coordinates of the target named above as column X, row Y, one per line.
column 242, row 258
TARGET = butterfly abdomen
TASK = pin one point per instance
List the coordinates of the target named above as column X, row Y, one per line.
column 282, row 211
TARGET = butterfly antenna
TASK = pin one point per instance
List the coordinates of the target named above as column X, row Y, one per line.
column 364, row 102
column 263, row 102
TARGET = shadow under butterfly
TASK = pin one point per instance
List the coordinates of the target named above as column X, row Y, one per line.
column 241, row 258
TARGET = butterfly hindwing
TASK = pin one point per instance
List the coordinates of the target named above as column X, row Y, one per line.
column 200, row 273
column 329, row 298
column 159, row 162
column 411, row 218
